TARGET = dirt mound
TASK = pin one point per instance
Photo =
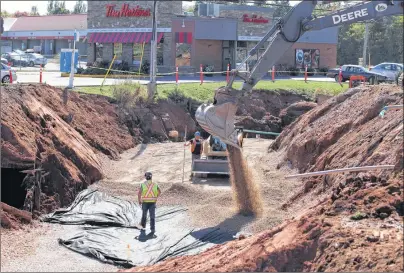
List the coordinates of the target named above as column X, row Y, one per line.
column 351, row 222
column 292, row 112
column 261, row 109
column 32, row 128
column 12, row 217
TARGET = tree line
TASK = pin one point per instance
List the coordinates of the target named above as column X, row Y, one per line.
column 54, row 7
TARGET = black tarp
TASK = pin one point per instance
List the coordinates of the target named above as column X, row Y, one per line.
column 111, row 231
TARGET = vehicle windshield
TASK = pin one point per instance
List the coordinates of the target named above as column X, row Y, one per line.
column 19, row 52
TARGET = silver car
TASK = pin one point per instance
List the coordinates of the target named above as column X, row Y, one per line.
column 390, row 70
column 5, row 74
column 36, row 59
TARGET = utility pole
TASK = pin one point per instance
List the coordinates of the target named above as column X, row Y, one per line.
column 365, row 43
column 152, row 86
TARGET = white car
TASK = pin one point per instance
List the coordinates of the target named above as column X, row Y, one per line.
column 5, row 74
column 36, row 59
column 390, row 70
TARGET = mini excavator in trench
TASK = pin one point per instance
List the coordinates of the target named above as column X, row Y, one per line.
column 218, row 118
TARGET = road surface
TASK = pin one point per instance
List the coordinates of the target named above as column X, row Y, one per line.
column 55, row 79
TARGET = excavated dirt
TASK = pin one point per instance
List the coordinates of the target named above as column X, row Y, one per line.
column 342, row 222
column 264, row 110
column 246, row 193
column 66, row 139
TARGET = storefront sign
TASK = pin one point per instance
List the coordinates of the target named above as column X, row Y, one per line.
column 126, row 11
column 254, row 19
column 249, row 38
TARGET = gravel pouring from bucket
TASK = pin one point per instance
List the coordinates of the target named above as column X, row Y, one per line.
column 218, row 118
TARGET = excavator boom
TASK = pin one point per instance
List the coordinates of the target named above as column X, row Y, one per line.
column 218, row 118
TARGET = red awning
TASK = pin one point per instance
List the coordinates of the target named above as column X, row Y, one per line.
column 123, row 37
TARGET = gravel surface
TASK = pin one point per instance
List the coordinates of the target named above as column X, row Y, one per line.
column 36, row 249
column 209, row 202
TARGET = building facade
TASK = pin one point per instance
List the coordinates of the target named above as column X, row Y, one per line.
column 123, row 28
column 46, row 34
column 218, row 36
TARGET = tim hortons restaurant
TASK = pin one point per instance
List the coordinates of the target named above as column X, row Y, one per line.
column 217, row 35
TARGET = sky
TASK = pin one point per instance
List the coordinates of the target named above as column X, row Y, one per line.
column 13, row 6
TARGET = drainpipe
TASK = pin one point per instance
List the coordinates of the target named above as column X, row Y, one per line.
column 353, row 169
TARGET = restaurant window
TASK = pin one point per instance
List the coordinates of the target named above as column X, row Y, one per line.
column 98, row 51
column 183, row 41
column 137, row 54
column 160, row 52
column 118, row 51
column 241, row 44
column 183, row 54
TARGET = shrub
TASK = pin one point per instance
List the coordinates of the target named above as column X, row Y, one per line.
column 177, row 96
column 128, row 94
column 293, row 71
column 310, row 71
column 145, row 67
column 208, row 68
column 323, row 71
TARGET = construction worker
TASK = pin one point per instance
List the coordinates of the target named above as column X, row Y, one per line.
column 147, row 197
column 196, row 147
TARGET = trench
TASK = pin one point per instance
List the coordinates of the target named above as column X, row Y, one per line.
column 12, row 191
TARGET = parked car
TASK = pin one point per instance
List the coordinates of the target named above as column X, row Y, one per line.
column 391, row 70
column 36, row 59
column 5, row 74
column 356, row 70
column 15, row 59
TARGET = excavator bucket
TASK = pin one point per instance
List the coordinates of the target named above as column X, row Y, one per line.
column 218, row 119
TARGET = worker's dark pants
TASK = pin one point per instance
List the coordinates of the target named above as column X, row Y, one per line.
column 151, row 208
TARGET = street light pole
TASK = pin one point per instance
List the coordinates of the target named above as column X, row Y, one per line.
column 72, row 63
column 152, row 86
column 365, row 43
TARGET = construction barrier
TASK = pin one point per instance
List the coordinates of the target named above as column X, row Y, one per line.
column 131, row 75
column 40, row 74
column 356, row 78
column 305, row 73
column 11, row 76
column 201, row 71
column 228, row 73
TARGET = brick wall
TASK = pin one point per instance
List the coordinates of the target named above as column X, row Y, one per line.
column 96, row 18
column 328, row 54
column 207, row 52
column 249, row 28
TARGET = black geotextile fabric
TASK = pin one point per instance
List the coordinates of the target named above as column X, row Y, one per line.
column 111, row 233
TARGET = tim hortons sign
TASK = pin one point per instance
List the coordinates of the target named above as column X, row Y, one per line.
column 254, row 19
column 126, row 11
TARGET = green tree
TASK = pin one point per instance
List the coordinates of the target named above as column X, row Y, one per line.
column 80, row 7
column 57, row 7
column 5, row 14
column 281, row 7
column 34, row 11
